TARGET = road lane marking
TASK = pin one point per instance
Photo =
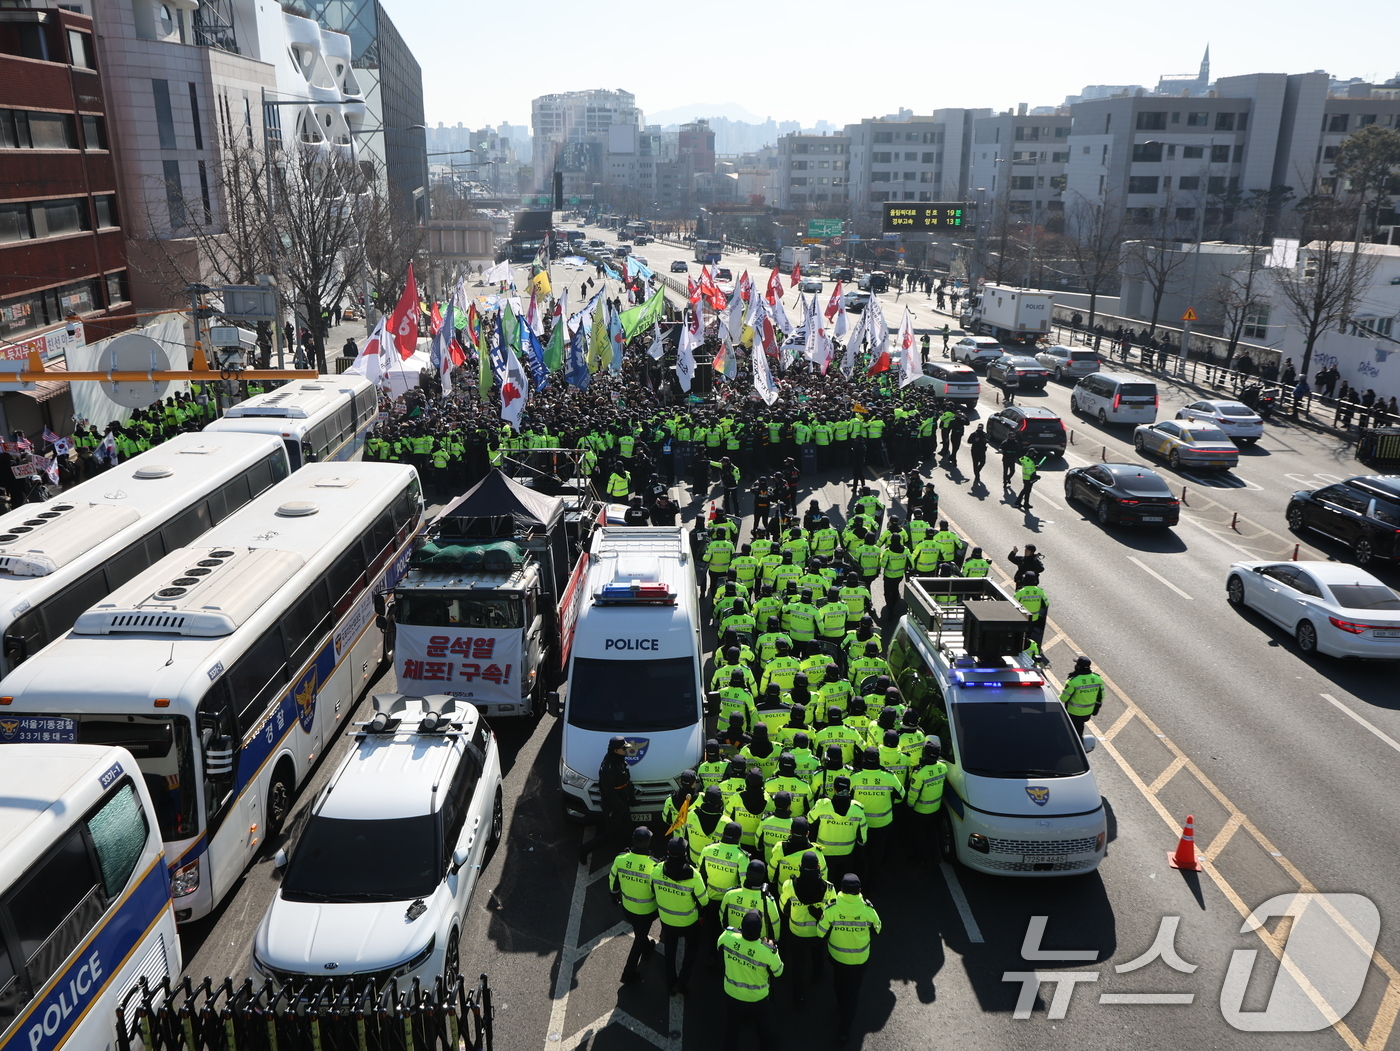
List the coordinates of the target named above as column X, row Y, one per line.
column 1152, row 572
column 1370, row 726
column 950, row 877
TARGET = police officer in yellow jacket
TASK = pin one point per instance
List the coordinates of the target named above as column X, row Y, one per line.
column 630, row 883
column 680, row 894
column 750, row 963
column 1083, row 693
column 849, row 926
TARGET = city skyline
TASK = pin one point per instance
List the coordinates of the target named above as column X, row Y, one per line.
column 1106, row 46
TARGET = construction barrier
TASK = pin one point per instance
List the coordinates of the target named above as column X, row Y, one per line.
column 316, row 1015
column 1379, row 446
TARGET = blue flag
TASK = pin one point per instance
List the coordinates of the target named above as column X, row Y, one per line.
column 534, row 357
column 576, row 372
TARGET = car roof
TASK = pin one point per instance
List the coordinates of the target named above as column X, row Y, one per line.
column 1333, row 573
column 1220, row 403
column 983, row 339
column 1019, row 359
column 1129, row 470
column 1387, row 485
column 1036, row 412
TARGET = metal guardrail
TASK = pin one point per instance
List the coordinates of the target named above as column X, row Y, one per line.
column 317, row 1015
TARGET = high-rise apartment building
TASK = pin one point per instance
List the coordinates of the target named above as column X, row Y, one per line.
column 910, row 158
column 1020, row 160
column 812, row 171
column 571, row 134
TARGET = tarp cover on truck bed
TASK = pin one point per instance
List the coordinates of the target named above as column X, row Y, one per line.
column 498, row 556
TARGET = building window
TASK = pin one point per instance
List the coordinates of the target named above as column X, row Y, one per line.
column 883, row 136
column 1193, row 153
column 798, row 180
column 1062, row 132
column 116, row 288
column 1147, row 152
column 1176, row 117
column 1197, row 120
column 165, row 119
column 204, row 193
column 1327, row 187
column 1188, row 182
column 1141, row 215
column 80, row 49
column 911, row 156
column 924, row 195
column 880, row 176
column 880, row 158
column 1058, row 183
column 1220, row 155
column 1239, row 152
column 1153, row 120
column 1256, row 322
column 174, row 195
column 15, row 224
column 106, row 208
column 1027, row 133
column 1242, row 122
column 925, row 176
column 94, row 132
column 1060, row 158
column 1215, row 185
column 1337, row 122
column 68, row 215
column 1364, row 119
column 1186, row 215
column 799, row 166
column 1142, row 184
column 878, row 196
column 1023, row 182
column 47, row 131
column 194, row 118
column 909, row 176
column 1224, row 122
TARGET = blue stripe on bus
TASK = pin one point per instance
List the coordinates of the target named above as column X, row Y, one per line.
column 69, row 994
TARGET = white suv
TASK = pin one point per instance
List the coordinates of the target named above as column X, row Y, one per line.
column 378, row 883
column 977, row 350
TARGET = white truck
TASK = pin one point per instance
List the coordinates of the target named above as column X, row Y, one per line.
column 634, row 669
column 1020, row 797
column 1012, row 315
column 790, row 255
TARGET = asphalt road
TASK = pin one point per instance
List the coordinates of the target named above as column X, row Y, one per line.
column 1288, row 765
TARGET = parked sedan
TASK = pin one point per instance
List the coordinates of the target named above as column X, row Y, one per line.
column 1030, row 374
column 1236, row 419
column 1329, row 607
column 1123, row 493
column 811, row 284
column 1187, row 443
column 680, row 266
column 1031, row 426
column 855, row 301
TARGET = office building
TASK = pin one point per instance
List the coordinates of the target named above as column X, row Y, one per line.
column 572, row 134
column 812, row 172
column 1019, row 159
column 910, row 158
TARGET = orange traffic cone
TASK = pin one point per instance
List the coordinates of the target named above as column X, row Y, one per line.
column 1185, row 856
column 712, row 511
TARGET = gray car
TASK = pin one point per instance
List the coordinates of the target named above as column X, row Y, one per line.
column 1068, row 363
column 1187, row 443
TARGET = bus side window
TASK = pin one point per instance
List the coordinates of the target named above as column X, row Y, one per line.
column 259, row 476
column 346, row 574
column 187, row 527
column 25, row 638
column 234, row 494
column 344, row 422
column 308, row 452
column 13, row 996
column 380, row 536
column 407, row 506
column 137, row 558
column 258, row 678
column 119, row 830
column 61, row 611
column 304, row 625
column 55, row 906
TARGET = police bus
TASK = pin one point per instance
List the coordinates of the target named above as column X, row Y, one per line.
column 320, row 420
column 227, row 667
column 59, row 557
column 85, row 909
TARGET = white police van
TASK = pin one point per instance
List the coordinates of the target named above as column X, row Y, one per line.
column 1020, row 798
column 634, row 669
column 381, row 874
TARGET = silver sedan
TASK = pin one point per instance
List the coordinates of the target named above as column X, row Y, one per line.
column 1235, row 418
column 1187, row 443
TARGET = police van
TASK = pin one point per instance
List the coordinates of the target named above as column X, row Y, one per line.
column 1020, row 798
column 634, row 669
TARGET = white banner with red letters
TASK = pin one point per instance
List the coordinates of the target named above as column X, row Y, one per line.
column 473, row 663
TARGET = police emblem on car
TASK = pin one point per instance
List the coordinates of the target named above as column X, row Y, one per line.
column 1039, row 795
column 636, row 749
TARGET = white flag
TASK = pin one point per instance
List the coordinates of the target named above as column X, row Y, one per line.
column 460, row 303
column 910, row 367
column 369, row 363
column 499, row 273
column 853, row 341
column 658, row 348
column 762, row 375
column 515, row 391
column 780, row 317
column 685, row 354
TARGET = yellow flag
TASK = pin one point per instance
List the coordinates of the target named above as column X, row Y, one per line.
column 598, row 342
column 540, row 283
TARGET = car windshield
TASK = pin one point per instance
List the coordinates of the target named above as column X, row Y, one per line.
column 476, row 609
column 642, row 696
column 1040, row 424
column 1139, row 390
column 348, row 860
column 1207, row 434
column 1083, row 355
column 1028, row 738
column 1365, row 596
column 1234, row 410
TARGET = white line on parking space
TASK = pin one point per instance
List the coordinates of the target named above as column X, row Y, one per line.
column 1152, row 572
column 1370, row 726
column 950, row 877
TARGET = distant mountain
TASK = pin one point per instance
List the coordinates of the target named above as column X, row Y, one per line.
column 696, row 110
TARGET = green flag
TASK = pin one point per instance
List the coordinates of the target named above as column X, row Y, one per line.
column 554, row 353
column 483, row 352
column 644, row 316
column 512, row 330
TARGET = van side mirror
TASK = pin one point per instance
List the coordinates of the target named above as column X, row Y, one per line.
column 279, row 860
column 712, row 703
column 460, row 856
column 552, row 704
column 1090, row 742
column 379, row 603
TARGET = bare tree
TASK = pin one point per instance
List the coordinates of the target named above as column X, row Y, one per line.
column 1331, row 274
column 392, row 238
column 1156, row 255
column 1094, row 245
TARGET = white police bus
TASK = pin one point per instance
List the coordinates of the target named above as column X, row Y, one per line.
column 59, row 557
column 320, row 420
column 85, row 909
column 227, row 667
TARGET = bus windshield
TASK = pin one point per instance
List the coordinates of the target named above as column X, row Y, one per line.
column 1029, row 738
column 161, row 747
column 632, row 696
column 342, row 859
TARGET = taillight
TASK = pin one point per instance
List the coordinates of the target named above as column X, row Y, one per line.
column 1157, row 400
column 1127, row 501
column 1025, row 425
column 1116, row 399
column 1355, row 628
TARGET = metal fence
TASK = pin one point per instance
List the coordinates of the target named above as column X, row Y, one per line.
column 317, row 1015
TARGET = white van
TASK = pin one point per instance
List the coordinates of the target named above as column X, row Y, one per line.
column 634, row 669
column 1114, row 397
column 1020, row 798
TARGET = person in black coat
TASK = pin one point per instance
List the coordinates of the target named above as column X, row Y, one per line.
column 1030, row 562
column 616, row 792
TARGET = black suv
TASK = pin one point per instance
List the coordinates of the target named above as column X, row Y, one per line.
column 1363, row 513
column 1030, row 426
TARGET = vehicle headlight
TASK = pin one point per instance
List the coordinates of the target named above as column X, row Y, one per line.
column 418, row 960
column 184, row 880
column 262, row 968
column 572, row 777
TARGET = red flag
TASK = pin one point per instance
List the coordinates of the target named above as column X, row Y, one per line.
column 711, row 291
column 403, row 323
column 459, row 356
column 692, row 291
column 834, row 303
column 882, row 360
column 796, row 274
column 775, row 286
column 745, row 286
column 435, row 320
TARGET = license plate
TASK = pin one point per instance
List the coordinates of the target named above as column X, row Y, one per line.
column 1151, row 518
column 1387, row 633
column 645, row 816
column 50, row 729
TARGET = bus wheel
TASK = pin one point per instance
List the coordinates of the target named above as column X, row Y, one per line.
column 279, row 798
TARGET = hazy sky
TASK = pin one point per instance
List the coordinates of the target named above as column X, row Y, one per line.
column 840, row 62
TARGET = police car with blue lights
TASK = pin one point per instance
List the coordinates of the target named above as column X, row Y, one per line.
column 634, row 669
column 379, row 880
column 1020, row 797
